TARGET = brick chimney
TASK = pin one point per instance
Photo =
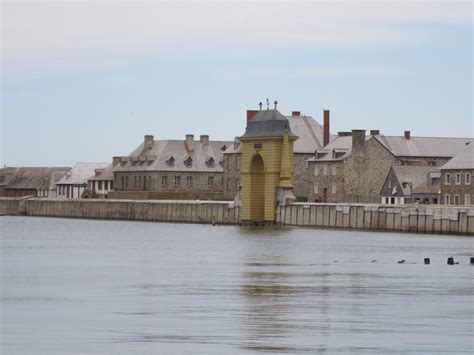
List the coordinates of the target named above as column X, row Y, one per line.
column 116, row 160
column 189, row 142
column 250, row 114
column 374, row 132
column 148, row 140
column 204, row 139
column 358, row 139
column 407, row 134
column 326, row 128
column 296, row 113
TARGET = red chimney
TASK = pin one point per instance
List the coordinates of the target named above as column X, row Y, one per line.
column 326, row 128
column 250, row 114
column 296, row 113
column 407, row 134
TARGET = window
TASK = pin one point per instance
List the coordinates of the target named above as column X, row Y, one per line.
column 467, row 178
column 210, row 181
column 237, row 162
column 447, row 179
column 458, row 178
column 325, row 169
column 333, row 188
column 149, row 183
column 447, row 199
column 210, row 162
column 456, row 199
column 100, row 185
column 257, row 146
column 431, row 163
column 188, row 162
column 467, row 199
column 229, row 182
column 316, row 169
column 316, row 189
column 189, row 181
column 111, row 185
column 334, row 169
column 164, row 180
column 177, row 181
column 170, row 161
column 123, row 182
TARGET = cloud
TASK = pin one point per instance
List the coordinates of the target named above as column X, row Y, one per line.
column 95, row 35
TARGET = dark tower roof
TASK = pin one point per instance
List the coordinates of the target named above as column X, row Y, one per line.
column 267, row 123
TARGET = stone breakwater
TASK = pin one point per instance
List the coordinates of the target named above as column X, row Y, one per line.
column 407, row 218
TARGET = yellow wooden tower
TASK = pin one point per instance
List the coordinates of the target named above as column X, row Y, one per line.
column 267, row 166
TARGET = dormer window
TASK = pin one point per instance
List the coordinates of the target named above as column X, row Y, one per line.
column 210, row 162
column 170, row 161
column 188, row 162
column 224, row 147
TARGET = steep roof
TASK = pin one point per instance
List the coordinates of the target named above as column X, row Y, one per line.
column 34, row 178
column 155, row 156
column 103, row 174
column 413, row 175
column 80, row 172
column 423, row 146
column 267, row 123
column 463, row 160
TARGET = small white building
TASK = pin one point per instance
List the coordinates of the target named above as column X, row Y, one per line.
column 101, row 183
column 73, row 184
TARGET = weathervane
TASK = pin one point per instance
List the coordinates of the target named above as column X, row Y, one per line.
column 275, row 103
column 260, row 104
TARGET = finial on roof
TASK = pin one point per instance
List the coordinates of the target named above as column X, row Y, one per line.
column 275, row 103
column 260, row 104
column 268, row 104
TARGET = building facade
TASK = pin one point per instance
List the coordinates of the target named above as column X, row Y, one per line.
column 171, row 169
column 74, row 182
column 35, row 181
column 457, row 187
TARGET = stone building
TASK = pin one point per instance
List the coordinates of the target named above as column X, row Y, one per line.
column 353, row 167
column 456, row 178
column 411, row 184
column 35, row 181
column 171, row 169
column 74, row 182
column 311, row 136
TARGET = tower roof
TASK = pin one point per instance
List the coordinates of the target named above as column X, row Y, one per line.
column 267, row 123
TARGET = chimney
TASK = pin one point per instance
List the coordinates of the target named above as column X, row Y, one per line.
column 326, row 128
column 374, row 132
column 250, row 114
column 189, row 142
column 296, row 113
column 358, row 139
column 204, row 139
column 407, row 134
column 115, row 160
column 149, row 139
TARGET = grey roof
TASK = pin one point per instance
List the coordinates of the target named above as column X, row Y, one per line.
column 154, row 157
column 427, row 189
column 414, row 175
column 34, row 178
column 6, row 174
column 399, row 146
column 267, row 123
column 423, row 146
column 79, row 173
column 103, row 174
column 463, row 160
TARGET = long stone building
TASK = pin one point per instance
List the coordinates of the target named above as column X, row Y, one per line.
column 171, row 169
column 353, row 167
column 456, row 178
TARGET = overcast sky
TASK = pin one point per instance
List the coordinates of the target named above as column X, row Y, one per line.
column 84, row 81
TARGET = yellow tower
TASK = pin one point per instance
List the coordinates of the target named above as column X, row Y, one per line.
column 267, row 166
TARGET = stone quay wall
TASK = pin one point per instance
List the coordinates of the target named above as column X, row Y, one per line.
column 432, row 219
column 149, row 210
column 402, row 218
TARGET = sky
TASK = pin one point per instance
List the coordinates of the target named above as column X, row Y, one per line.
column 85, row 81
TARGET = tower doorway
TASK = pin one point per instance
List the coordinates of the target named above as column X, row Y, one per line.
column 257, row 189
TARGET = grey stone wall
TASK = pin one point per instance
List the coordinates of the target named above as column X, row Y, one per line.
column 461, row 190
column 231, row 175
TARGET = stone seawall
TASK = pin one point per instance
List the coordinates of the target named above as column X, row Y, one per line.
column 436, row 219
column 407, row 218
column 160, row 211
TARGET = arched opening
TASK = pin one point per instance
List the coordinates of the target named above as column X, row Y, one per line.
column 257, row 189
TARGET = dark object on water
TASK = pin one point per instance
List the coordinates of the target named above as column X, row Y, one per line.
column 401, row 261
column 472, row 261
column 427, row 261
column 450, row 260
column 374, row 261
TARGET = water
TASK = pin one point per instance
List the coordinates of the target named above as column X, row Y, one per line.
column 109, row 287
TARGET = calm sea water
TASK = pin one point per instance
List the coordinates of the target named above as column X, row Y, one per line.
column 108, row 287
